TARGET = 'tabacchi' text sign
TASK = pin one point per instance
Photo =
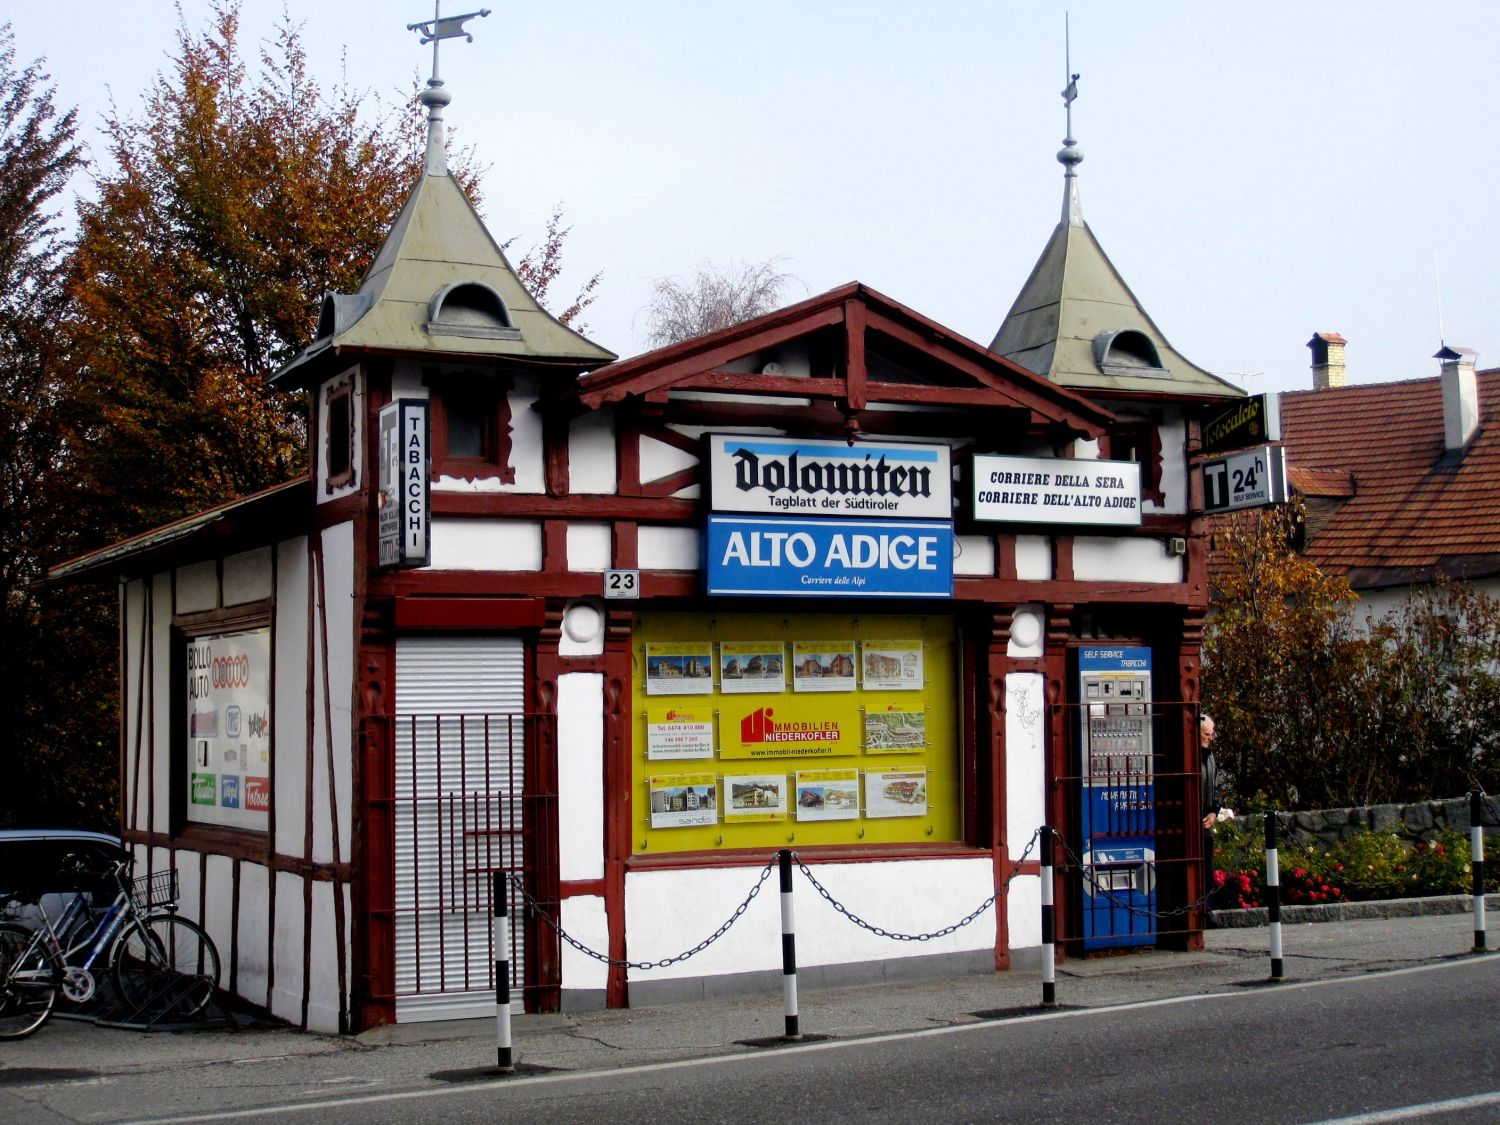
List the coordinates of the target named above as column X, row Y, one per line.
column 1056, row 490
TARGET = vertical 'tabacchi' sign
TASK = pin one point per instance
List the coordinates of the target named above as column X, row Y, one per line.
column 404, row 502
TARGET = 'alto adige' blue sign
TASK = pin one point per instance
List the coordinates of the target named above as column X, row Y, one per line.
column 824, row 558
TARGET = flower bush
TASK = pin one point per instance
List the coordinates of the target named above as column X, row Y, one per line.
column 1368, row 865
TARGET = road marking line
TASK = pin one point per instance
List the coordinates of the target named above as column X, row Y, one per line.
column 826, row 1045
column 1411, row 1112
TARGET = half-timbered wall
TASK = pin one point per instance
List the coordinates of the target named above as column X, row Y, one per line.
column 276, row 903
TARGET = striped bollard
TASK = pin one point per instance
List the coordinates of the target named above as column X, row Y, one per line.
column 1476, row 857
column 1049, row 924
column 1273, row 896
column 788, row 947
column 503, row 1062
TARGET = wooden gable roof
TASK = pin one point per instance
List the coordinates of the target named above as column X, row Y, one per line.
column 866, row 364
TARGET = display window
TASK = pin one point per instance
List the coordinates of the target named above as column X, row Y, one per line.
column 763, row 730
column 226, row 728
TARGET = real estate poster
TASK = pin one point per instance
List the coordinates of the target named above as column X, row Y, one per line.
column 896, row 792
column 755, row 797
column 752, row 666
column 678, row 733
column 684, row 800
column 823, row 665
column 891, row 665
column 809, row 726
column 680, row 669
column 895, row 730
column 827, row 794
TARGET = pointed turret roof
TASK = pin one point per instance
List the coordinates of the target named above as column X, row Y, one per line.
column 1077, row 322
column 440, row 287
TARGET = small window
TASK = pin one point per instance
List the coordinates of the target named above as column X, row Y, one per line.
column 339, row 441
column 1140, row 442
column 471, row 427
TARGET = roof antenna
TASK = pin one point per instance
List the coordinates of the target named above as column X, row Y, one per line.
column 1070, row 155
column 1437, row 283
column 435, row 97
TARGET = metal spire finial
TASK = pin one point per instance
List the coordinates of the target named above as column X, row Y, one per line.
column 1070, row 156
column 435, row 97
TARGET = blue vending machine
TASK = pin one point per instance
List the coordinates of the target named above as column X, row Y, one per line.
column 1118, row 814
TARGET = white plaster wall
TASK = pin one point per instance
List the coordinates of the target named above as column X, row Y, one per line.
column 975, row 556
column 132, row 794
column 481, row 544
column 1098, row 558
column 289, row 634
column 1025, row 758
column 338, row 572
column 1024, row 912
column 658, row 459
column 254, row 932
column 189, row 884
column 580, row 775
column 197, row 587
column 589, row 546
column 218, row 906
column 1084, row 450
column 584, row 917
column 1174, row 470
column 881, row 893
column 406, row 381
column 323, row 999
column 355, row 377
column 591, row 455
column 525, row 453
column 157, row 771
column 669, row 548
column 247, row 576
column 286, row 995
column 1034, row 558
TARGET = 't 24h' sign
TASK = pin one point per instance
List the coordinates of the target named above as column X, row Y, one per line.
column 1252, row 478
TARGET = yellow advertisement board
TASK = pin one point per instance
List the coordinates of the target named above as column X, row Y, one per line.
column 814, row 728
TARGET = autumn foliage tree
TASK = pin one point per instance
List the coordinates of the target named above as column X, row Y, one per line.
column 134, row 361
column 1321, row 705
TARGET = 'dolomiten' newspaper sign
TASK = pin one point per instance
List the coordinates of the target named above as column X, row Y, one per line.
column 1057, row 490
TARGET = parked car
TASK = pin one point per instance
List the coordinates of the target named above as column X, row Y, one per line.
column 37, row 864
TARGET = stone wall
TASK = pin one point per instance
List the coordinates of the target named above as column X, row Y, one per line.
column 1417, row 822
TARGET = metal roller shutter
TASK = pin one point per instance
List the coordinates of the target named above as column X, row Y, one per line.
column 460, row 759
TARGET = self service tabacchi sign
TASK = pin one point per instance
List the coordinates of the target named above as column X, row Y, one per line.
column 829, row 518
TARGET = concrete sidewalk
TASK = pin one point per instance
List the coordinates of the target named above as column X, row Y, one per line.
column 414, row 1055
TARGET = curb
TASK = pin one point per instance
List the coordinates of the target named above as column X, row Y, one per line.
column 1307, row 913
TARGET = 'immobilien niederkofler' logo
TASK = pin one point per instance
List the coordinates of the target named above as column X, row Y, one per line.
column 758, row 726
column 816, row 477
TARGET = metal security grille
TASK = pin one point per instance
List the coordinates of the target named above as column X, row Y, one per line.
column 460, row 738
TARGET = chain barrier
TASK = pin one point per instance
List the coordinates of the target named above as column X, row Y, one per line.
column 946, row 930
column 1130, row 908
column 536, row 908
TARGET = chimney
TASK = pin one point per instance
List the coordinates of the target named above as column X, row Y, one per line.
column 1460, row 397
column 1327, row 360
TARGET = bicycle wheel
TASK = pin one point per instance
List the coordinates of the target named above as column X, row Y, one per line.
column 165, row 967
column 28, row 982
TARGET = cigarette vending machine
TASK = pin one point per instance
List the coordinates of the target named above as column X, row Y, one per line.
column 1118, row 795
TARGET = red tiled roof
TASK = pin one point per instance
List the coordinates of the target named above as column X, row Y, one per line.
column 1321, row 482
column 1413, row 511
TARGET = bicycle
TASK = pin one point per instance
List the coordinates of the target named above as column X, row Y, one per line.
column 161, row 965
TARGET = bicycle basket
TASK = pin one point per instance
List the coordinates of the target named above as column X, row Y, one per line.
column 155, row 890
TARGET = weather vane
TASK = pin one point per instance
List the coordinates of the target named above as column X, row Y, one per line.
column 1070, row 93
column 434, row 31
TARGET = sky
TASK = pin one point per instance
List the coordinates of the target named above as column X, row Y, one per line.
column 1256, row 172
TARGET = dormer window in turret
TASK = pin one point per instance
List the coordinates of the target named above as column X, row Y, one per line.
column 1128, row 351
column 469, row 308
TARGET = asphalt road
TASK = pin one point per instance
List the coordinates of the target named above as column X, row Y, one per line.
column 1423, row 1044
